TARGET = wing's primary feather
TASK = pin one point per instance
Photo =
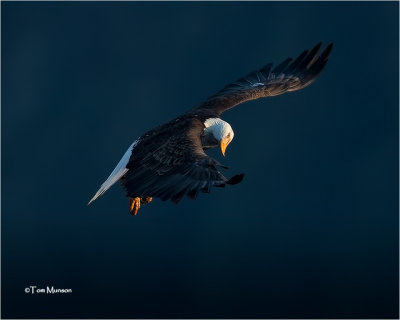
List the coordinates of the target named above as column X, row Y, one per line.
column 290, row 75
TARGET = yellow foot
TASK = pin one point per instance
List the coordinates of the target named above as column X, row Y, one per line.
column 146, row 199
column 134, row 205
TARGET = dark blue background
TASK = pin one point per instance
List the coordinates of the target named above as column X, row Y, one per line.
column 312, row 231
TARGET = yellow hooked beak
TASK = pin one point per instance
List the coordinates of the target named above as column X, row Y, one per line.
column 223, row 144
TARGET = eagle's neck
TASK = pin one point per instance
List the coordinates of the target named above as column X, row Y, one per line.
column 208, row 141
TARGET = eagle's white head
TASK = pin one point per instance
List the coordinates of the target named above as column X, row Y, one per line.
column 217, row 132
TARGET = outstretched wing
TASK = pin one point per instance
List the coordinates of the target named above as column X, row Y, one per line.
column 290, row 75
column 174, row 168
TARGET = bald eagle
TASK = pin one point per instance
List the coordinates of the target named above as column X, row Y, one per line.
column 169, row 162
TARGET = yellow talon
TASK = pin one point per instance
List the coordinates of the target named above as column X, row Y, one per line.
column 146, row 199
column 134, row 205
